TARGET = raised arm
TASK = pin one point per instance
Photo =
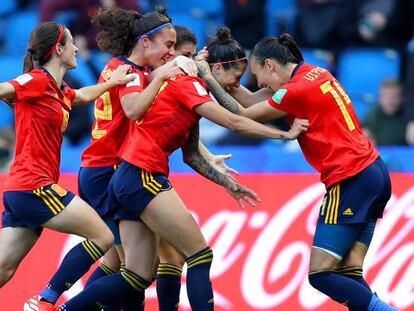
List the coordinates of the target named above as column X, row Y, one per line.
column 136, row 104
column 90, row 93
column 239, row 124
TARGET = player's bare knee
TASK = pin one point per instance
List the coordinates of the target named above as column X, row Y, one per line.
column 7, row 270
column 104, row 240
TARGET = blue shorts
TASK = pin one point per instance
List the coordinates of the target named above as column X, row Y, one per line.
column 32, row 209
column 350, row 209
column 93, row 183
column 358, row 198
column 337, row 240
column 131, row 189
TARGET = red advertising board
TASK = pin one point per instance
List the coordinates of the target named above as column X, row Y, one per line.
column 261, row 254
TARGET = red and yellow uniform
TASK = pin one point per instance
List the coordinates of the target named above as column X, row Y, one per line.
column 42, row 114
column 111, row 124
column 334, row 144
column 166, row 125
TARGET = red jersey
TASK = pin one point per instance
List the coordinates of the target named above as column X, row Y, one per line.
column 334, row 144
column 166, row 125
column 41, row 118
column 111, row 124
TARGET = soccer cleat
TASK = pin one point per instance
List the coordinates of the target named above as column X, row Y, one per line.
column 35, row 304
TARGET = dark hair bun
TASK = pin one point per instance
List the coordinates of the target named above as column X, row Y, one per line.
column 162, row 10
column 224, row 35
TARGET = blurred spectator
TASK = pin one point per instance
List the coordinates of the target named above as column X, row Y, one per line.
column 323, row 23
column 246, row 19
column 80, row 121
column 409, row 94
column 83, row 32
column 385, row 124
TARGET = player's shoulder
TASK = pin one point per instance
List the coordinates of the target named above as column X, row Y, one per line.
column 36, row 76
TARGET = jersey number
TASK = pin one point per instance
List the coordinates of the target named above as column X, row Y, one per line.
column 341, row 98
column 104, row 114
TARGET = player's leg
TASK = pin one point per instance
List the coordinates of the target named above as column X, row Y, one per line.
column 345, row 222
column 80, row 219
column 15, row 243
column 168, row 217
column 352, row 265
column 140, row 246
column 169, row 277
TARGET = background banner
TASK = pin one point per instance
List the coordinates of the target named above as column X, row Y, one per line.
column 261, row 254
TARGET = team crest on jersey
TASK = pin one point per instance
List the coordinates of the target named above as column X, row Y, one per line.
column 278, row 96
column 200, row 90
column 23, row 79
column 59, row 190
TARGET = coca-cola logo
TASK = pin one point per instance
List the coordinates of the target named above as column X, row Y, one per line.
column 261, row 255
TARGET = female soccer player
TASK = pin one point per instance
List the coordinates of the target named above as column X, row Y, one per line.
column 143, row 42
column 147, row 205
column 357, row 181
column 32, row 198
column 229, row 63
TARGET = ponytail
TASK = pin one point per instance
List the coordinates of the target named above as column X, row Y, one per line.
column 42, row 43
column 283, row 49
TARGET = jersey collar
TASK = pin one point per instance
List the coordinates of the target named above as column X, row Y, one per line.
column 296, row 69
column 127, row 61
column 61, row 87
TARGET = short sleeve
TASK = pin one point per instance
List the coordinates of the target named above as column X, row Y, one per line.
column 191, row 91
column 135, row 86
column 285, row 99
column 29, row 85
column 69, row 92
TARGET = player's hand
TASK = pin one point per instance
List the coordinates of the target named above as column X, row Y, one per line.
column 298, row 127
column 187, row 65
column 242, row 194
column 168, row 72
column 218, row 162
column 202, row 55
column 120, row 75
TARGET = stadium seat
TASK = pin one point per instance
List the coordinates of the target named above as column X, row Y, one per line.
column 12, row 66
column 83, row 73
column 196, row 8
column 19, row 25
column 361, row 71
column 197, row 25
column 280, row 16
column 100, row 59
column 7, row 6
column 316, row 57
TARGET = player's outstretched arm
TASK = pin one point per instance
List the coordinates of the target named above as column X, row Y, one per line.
column 196, row 161
column 217, row 161
column 7, row 94
column 244, row 126
column 89, row 93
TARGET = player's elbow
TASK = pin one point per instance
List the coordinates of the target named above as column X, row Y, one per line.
column 235, row 123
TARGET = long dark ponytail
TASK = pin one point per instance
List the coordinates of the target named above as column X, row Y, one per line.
column 43, row 39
